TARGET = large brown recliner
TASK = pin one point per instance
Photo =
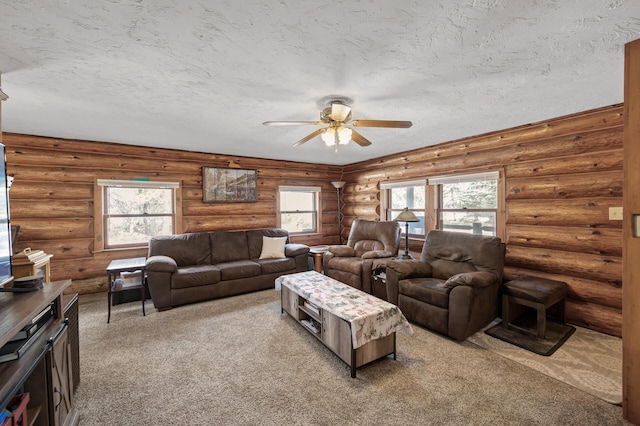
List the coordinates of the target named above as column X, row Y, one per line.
column 369, row 241
column 453, row 288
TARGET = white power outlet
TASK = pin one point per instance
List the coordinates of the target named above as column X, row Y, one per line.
column 615, row 213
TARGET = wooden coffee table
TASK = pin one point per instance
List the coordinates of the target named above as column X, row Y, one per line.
column 359, row 332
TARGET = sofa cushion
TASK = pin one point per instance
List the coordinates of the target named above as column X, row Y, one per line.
column 427, row 290
column 273, row 247
column 270, row 266
column 194, row 276
column 185, row 249
column 239, row 269
column 228, row 246
column 254, row 239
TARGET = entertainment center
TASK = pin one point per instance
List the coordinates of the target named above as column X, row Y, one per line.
column 45, row 369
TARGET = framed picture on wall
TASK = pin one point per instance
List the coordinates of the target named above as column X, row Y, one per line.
column 222, row 185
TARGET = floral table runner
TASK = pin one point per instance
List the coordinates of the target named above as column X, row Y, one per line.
column 370, row 318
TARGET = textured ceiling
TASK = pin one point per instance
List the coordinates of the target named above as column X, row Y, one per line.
column 204, row 75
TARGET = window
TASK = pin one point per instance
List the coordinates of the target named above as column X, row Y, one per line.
column 135, row 211
column 299, row 209
column 468, row 203
column 400, row 195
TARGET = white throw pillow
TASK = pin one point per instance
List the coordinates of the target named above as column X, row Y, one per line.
column 273, row 247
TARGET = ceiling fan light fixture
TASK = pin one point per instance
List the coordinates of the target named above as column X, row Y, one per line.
column 344, row 135
column 340, row 111
column 328, row 136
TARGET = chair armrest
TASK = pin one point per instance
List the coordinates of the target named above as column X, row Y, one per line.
column 409, row 268
column 400, row 269
column 160, row 264
column 377, row 254
column 342, row 251
column 293, row 250
column 478, row 279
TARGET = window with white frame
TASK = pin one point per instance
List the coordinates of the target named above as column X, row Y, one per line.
column 298, row 208
column 135, row 211
column 467, row 203
column 411, row 195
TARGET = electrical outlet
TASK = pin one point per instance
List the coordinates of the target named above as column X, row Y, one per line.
column 615, row 213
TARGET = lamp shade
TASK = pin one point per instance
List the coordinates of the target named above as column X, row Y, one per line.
column 406, row 216
column 337, row 184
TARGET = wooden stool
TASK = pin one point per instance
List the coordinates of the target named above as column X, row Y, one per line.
column 535, row 292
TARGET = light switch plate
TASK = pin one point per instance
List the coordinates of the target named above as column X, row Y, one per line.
column 615, row 213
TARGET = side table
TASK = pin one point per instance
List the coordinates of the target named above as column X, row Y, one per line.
column 115, row 268
column 317, row 253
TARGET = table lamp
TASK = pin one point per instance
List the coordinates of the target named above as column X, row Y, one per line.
column 406, row 216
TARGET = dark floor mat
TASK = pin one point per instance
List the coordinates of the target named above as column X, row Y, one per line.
column 555, row 336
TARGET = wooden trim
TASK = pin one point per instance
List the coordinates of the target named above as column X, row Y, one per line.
column 631, row 246
column 98, row 221
column 501, row 213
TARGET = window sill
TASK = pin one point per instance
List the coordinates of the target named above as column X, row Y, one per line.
column 115, row 250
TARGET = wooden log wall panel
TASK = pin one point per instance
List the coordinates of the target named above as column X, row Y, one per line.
column 591, row 212
column 362, row 210
column 52, row 197
column 59, row 208
column 607, row 269
column 596, row 317
column 580, row 185
column 561, row 178
column 601, row 241
column 580, row 123
column 60, row 249
column 29, row 190
column 584, row 163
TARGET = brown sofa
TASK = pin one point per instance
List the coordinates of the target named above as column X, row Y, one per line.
column 369, row 243
column 189, row 268
column 453, row 288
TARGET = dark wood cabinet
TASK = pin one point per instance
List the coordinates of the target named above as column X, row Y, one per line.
column 45, row 369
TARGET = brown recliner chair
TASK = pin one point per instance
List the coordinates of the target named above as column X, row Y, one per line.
column 453, row 288
column 369, row 241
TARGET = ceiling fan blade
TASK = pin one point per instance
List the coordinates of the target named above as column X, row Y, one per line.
column 382, row 123
column 291, row 123
column 308, row 137
column 340, row 111
column 359, row 139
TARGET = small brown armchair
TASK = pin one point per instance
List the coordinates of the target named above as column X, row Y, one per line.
column 453, row 288
column 369, row 242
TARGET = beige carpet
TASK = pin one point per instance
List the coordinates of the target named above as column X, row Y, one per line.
column 588, row 360
column 239, row 361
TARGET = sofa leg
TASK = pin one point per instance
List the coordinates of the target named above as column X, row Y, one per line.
column 165, row 309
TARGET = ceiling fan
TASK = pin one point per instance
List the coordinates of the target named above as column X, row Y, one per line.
column 337, row 120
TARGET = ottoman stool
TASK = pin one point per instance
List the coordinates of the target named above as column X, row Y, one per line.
column 538, row 293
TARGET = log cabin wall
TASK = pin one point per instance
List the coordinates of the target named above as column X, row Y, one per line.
column 561, row 178
column 52, row 198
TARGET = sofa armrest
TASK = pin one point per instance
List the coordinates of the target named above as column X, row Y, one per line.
column 159, row 270
column 478, row 279
column 293, row 250
column 161, row 264
column 377, row 254
column 342, row 251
